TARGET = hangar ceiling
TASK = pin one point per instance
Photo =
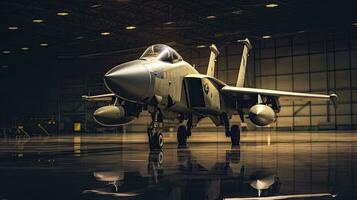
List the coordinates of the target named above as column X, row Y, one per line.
column 87, row 27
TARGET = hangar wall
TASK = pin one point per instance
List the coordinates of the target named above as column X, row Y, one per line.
column 300, row 63
column 311, row 64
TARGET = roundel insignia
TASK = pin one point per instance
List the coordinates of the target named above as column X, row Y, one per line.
column 206, row 88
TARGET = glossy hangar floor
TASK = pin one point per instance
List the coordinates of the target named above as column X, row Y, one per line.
column 269, row 164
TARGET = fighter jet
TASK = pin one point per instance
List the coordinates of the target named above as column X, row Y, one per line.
column 172, row 90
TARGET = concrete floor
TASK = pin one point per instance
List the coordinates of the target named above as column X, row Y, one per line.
column 121, row 166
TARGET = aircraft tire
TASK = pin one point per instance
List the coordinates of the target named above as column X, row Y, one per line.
column 156, row 141
column 182, row 136
column 235, row 134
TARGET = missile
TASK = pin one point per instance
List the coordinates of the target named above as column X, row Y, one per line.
column 112, row 116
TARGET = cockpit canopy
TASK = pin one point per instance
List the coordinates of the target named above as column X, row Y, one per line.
column 162, row 52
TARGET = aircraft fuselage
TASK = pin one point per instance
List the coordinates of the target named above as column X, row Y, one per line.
column 158, row 83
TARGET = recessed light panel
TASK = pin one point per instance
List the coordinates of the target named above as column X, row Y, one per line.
column 37, row 20
column 12, row 28
column 168, row 22
column 271, row 5
column 266, row 36
column 200, row 46
column 130, row 27
column 211, row 17
column 105, row 33
column 62, row 13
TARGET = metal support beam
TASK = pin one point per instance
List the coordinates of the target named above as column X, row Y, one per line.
column 301, row 107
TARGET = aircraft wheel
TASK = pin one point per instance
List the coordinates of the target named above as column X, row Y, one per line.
column 235, row 134
column 156, row 140
column 182, row 136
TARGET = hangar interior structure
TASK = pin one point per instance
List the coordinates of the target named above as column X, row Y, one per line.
column 55, row 52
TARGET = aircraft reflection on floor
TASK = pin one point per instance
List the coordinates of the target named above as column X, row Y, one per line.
column 64, row 167
column 189, row 179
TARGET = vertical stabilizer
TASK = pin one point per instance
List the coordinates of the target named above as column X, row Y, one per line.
column 243, row 62
column 212, row 60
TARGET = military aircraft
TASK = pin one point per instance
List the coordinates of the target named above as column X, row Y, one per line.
column 172, row 90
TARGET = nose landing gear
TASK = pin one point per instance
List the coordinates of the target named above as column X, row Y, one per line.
column 156, row 140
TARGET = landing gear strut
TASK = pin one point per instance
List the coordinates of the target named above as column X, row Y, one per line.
column 235, row 135
column 156, row 140
column 182, row 135
column 233, row 132
column 183, row 132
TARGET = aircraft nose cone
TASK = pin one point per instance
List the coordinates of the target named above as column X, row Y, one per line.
column 129, row 81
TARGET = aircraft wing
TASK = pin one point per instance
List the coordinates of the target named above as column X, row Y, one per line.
column 102, row 97
column 282, row 95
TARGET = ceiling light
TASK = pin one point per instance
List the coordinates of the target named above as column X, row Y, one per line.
column 4, row 66
column 37, row 20
column 130, row 27
column 200, row 46
column 169, row 22
column 271, row 5
column 354, row 24
column 13, row 28
column 302, row 31
column 266, row 36
column 237, row 12
column 25, row 48
column 211, row 17
column 105, row 33
column 43, row 44
column 62, row 13
column 79, row 37
column 95, row 5
column 6, row 51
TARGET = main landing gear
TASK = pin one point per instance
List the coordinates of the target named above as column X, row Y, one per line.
column 182, row 135
column 232, row 131
column 235, row 134
column 183, row 132
column 156, row 140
